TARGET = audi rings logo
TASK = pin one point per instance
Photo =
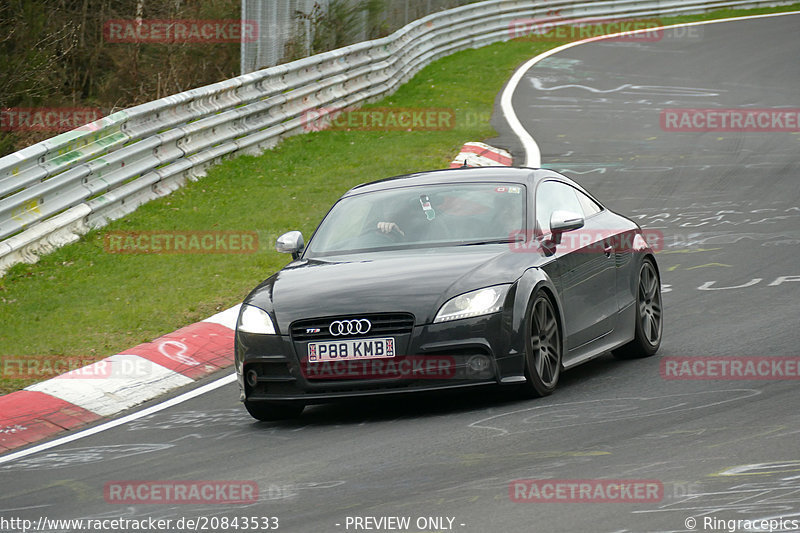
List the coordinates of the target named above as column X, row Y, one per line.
column 350, row 327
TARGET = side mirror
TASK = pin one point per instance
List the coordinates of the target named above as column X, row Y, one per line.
column 290, row 243
column 563, row 221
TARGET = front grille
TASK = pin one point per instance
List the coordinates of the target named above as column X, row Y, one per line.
column 382, row 324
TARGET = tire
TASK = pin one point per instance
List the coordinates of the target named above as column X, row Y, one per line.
column 267, row 411
column 543, row 348
column 649, row 316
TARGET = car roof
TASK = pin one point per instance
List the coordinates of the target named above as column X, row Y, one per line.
column 521, row 175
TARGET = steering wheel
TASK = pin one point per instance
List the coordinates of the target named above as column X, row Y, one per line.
column 373, row 235
column 392, row 237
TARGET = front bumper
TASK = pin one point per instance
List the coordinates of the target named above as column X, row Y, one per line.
column 431, row 357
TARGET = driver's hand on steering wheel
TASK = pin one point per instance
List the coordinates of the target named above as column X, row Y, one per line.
column 388, row 227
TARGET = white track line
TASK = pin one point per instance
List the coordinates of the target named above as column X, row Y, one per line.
column 533, row 155
column 208, row 387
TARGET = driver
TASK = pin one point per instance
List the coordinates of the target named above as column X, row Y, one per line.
column 423, row 203
column 389, row 227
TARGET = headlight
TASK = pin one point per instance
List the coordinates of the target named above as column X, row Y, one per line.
column 255, row 320
column 475, row 303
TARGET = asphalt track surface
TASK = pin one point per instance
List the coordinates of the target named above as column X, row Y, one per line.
column 729, row 206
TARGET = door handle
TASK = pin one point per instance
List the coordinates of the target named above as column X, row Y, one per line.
column 608, row 250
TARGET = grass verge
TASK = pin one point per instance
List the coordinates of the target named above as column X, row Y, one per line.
column 83, row 303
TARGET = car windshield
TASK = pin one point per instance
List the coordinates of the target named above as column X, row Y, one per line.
column 453, row 214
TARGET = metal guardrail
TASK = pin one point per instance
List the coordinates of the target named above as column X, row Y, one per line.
column 56, row 190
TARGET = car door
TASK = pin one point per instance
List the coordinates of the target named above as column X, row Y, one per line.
column 583, row 263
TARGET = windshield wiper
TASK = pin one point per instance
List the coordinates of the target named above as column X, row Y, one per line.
column 490, row 241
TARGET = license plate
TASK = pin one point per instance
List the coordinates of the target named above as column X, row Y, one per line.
column 351, row 349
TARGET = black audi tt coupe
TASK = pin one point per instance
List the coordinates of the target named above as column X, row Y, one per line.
column 444, row 279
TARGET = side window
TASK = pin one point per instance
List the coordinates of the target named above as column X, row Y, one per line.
column 554, row 196
column 590, row 207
